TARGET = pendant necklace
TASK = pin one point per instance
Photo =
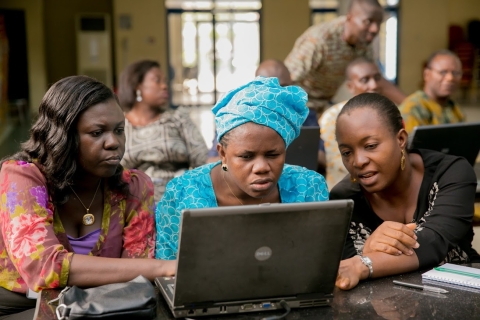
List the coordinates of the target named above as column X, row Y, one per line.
column 88, row 218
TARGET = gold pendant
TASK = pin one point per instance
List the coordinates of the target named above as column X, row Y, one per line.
column 88, row 218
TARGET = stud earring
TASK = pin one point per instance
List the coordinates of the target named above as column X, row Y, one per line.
column 224, row 167
column 402, row 160
column 139, row 96
column 352, row 179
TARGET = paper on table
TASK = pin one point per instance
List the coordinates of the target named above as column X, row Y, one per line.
column 454, row 274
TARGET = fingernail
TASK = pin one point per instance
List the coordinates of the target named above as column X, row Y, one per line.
column 410, row 252
column 399, row 253
column 415, row 236
column 417, row 245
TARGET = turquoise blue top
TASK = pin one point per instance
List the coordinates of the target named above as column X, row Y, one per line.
column 194, row 189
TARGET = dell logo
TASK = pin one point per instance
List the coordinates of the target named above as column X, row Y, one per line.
column 263, row 253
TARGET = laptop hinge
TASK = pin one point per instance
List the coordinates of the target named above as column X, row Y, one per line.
column 309, row 296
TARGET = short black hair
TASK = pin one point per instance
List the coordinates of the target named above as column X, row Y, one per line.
column 361, row 2
column 442, row 52
column 356, row 62
column 384, row 107
column 130, row 78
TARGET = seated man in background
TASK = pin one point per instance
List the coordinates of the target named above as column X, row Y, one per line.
column 276, row 68
column 362, row 76
column 433, row 104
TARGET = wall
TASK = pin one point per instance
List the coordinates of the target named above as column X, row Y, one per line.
column 37, row 75
column 147, row 37
column 419, row 37
column 461, row 11
column 424, row 29
column 283, row 21
column 60, row 36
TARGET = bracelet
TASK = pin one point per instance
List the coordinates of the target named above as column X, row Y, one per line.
column 366, row 261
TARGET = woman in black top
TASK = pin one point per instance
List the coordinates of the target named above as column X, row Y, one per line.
column 412, row 209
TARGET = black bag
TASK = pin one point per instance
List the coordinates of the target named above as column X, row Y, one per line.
column 135, row 299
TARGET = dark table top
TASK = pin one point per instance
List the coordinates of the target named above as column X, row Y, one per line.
column 373, row 299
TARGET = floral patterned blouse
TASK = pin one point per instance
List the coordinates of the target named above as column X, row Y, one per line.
column 34, row 249
column 165, row 148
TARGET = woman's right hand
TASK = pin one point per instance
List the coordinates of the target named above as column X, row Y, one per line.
column 350, row 272
column 393, row 238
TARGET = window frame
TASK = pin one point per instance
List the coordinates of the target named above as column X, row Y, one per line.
column 213, row 12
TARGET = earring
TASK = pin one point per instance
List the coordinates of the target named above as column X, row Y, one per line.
column 402, row 160
column 352, row 179
column 224, row 167
column 139, row 96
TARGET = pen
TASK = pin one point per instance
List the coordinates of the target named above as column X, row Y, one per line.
column 463, row 273
column 419, row 286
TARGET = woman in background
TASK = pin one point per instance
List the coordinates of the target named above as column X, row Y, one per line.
column 413, row 209
column 255, row 125
column 161, row 142
column 70, row 214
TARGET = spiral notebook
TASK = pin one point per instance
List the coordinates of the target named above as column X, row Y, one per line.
column 460, row 277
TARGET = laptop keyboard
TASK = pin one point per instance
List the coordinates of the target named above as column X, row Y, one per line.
column 171, row 288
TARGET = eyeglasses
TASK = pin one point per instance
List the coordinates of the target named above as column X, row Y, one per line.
column 443, row 73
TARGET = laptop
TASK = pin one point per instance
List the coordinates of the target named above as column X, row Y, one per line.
column 460, row 139
column 303, row 151
column 254, row 258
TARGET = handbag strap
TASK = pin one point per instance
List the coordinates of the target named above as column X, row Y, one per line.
column 62, row 312
column 60, row 296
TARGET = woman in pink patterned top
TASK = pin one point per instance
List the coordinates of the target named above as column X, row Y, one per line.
column 68, row 210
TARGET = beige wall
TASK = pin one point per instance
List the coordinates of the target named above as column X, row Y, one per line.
column 419, row 36
column 283, row 21
column 60, row 36
column 461, row 11
column 147, row 38
column 424, row 29
column 37, row 77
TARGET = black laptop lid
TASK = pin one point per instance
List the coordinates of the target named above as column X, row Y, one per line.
column 266, row 251
column 303, row 151
column 460, row 139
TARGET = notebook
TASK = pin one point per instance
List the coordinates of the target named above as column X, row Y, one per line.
column 249, row 258
column 460, row 277
column 459, row 139
column 303, row 151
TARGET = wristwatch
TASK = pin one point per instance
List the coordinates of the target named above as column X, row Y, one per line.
column 366, row 261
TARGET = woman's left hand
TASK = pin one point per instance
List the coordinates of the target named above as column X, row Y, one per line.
column 394, row 238
column 350, row 272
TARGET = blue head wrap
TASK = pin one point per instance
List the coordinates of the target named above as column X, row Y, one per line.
column 265, row 102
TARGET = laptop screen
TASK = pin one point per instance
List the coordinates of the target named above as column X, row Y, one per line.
column 303, row 151
column 460, row 139
column 261, row 251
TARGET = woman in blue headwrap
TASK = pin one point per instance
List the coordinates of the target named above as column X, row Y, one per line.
column 255, row 125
